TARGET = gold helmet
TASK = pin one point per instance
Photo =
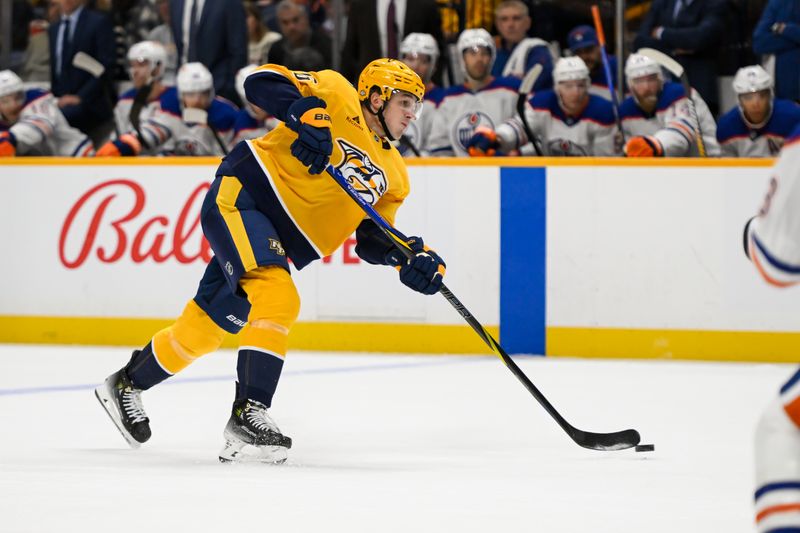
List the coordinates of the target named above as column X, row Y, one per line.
column 389, row 75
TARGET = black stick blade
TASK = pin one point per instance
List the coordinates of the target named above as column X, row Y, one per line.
column 621, row 440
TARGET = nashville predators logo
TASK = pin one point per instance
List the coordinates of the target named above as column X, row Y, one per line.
column 359, row 171
column 275, row 244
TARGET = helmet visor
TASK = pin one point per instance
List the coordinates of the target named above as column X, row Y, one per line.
column 407, row 102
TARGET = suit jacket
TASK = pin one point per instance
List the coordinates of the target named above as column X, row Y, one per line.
column 698, row 29
column 222, row 40
column 362, row 43
column 93, row 35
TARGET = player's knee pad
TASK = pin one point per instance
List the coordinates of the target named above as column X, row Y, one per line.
column 275, row 305
column 777, row 448
column 194, row 334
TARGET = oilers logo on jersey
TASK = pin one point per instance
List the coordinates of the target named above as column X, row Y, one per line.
column 565, row 148
column 367, row 179
column 464, row 127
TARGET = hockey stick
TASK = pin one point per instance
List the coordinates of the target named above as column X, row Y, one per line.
column 598, row 26
column 678, row 71
column 139, row 102
column 200, row 116
column 524, row 90
column 619, row 440
column 87, row 63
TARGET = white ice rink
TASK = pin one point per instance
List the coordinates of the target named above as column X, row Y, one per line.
column 384, row 443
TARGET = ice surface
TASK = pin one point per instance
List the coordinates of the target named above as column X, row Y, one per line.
column 384, row 443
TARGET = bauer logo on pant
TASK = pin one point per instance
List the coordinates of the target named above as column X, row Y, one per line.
column 365, row 177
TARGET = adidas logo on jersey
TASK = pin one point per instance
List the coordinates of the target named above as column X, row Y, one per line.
column 355, row 121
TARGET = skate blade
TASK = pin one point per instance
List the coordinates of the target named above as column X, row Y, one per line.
column 239, row 452
column 108, row 405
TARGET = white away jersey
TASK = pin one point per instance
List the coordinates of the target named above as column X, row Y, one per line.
column 159, row 120
column 198, row 139
column 462, row 110
column 592, row 133
column 672, row 123
column 737, row 139
column 42, row 129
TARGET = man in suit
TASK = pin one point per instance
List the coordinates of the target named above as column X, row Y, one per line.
column 690, row 31
column 214, row 33
column 83, row 99
column 371, row 35
column 298, row 34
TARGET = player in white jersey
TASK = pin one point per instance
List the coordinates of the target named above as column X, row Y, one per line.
column 147, row 115
column 566, row 120
column 656, row 118
column 772, row 242
column 251, row 122
column 32, row 124
column 759, row 124
column 482, row 100
column 421, row 52
column 196, row 90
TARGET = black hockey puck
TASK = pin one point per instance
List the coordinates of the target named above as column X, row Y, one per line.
column 645, row 448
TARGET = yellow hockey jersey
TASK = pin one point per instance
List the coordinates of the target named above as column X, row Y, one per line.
column 312, row 214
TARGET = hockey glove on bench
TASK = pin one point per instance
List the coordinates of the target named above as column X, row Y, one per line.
column 645, row 146
column 8, row 144
column 424, row 272
column 483, row 143
column 307, row 117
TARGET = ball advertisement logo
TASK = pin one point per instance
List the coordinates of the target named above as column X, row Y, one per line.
column 107, row 223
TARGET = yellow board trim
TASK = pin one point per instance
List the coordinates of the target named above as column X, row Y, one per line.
column 419, row 162
column 229, row 190
column 761, row 346
column 319, row 336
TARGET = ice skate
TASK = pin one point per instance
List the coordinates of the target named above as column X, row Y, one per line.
column 123, row 403
column 251, row 436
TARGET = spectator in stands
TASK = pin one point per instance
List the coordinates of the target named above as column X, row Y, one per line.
column 32, row 124
column 516, row 52
column 656, row 118
column 215, row 36
column 565, row 120
column 163, row 34
column 252, row 122
column 84, row 99
column 420, row 51
column 778, row 33
column 583, row 43
column 482, row 100
column 760, row 123
column 690, row 31
column 259, row 37
column 375, row 28
column 298, row 33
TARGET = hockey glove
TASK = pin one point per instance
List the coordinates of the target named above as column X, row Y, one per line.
column 8, row 144
column 483, row 143
column 307, row 117
column 126, row 145
column 424, row 272
column 644, row 147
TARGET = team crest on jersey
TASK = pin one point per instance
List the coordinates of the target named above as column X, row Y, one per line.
column 367, row 179
column 465, row 126
column 565, row 148
column 276, row 246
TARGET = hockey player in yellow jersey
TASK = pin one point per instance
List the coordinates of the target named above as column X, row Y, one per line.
column 272, row 201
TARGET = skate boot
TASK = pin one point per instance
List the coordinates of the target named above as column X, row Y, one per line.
column 251, row 436
column 123, row 403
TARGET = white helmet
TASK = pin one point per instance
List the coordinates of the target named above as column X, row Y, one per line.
column 240, row 77
column 638, row 66
column 10, row 83
column 194, row 78
column 420, row 43
column 154, row 53
column 475, row 38
column 752, row 79
column 570, row 68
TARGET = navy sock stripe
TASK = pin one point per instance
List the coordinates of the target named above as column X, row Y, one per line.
column 258, row 374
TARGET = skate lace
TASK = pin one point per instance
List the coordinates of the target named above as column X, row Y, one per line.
column 132, row 403
column 257, row 416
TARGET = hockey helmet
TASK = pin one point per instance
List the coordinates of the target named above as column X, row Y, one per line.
column 752, row 79
column 10, row 83
column 570, row 68
column 194, row 78
column 240, row 77
column 389, row 75
column 153, row 52
column 420, row 43
column 638, row 66
column 475, row 38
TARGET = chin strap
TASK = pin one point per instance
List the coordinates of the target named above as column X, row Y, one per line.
column 379, row 114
